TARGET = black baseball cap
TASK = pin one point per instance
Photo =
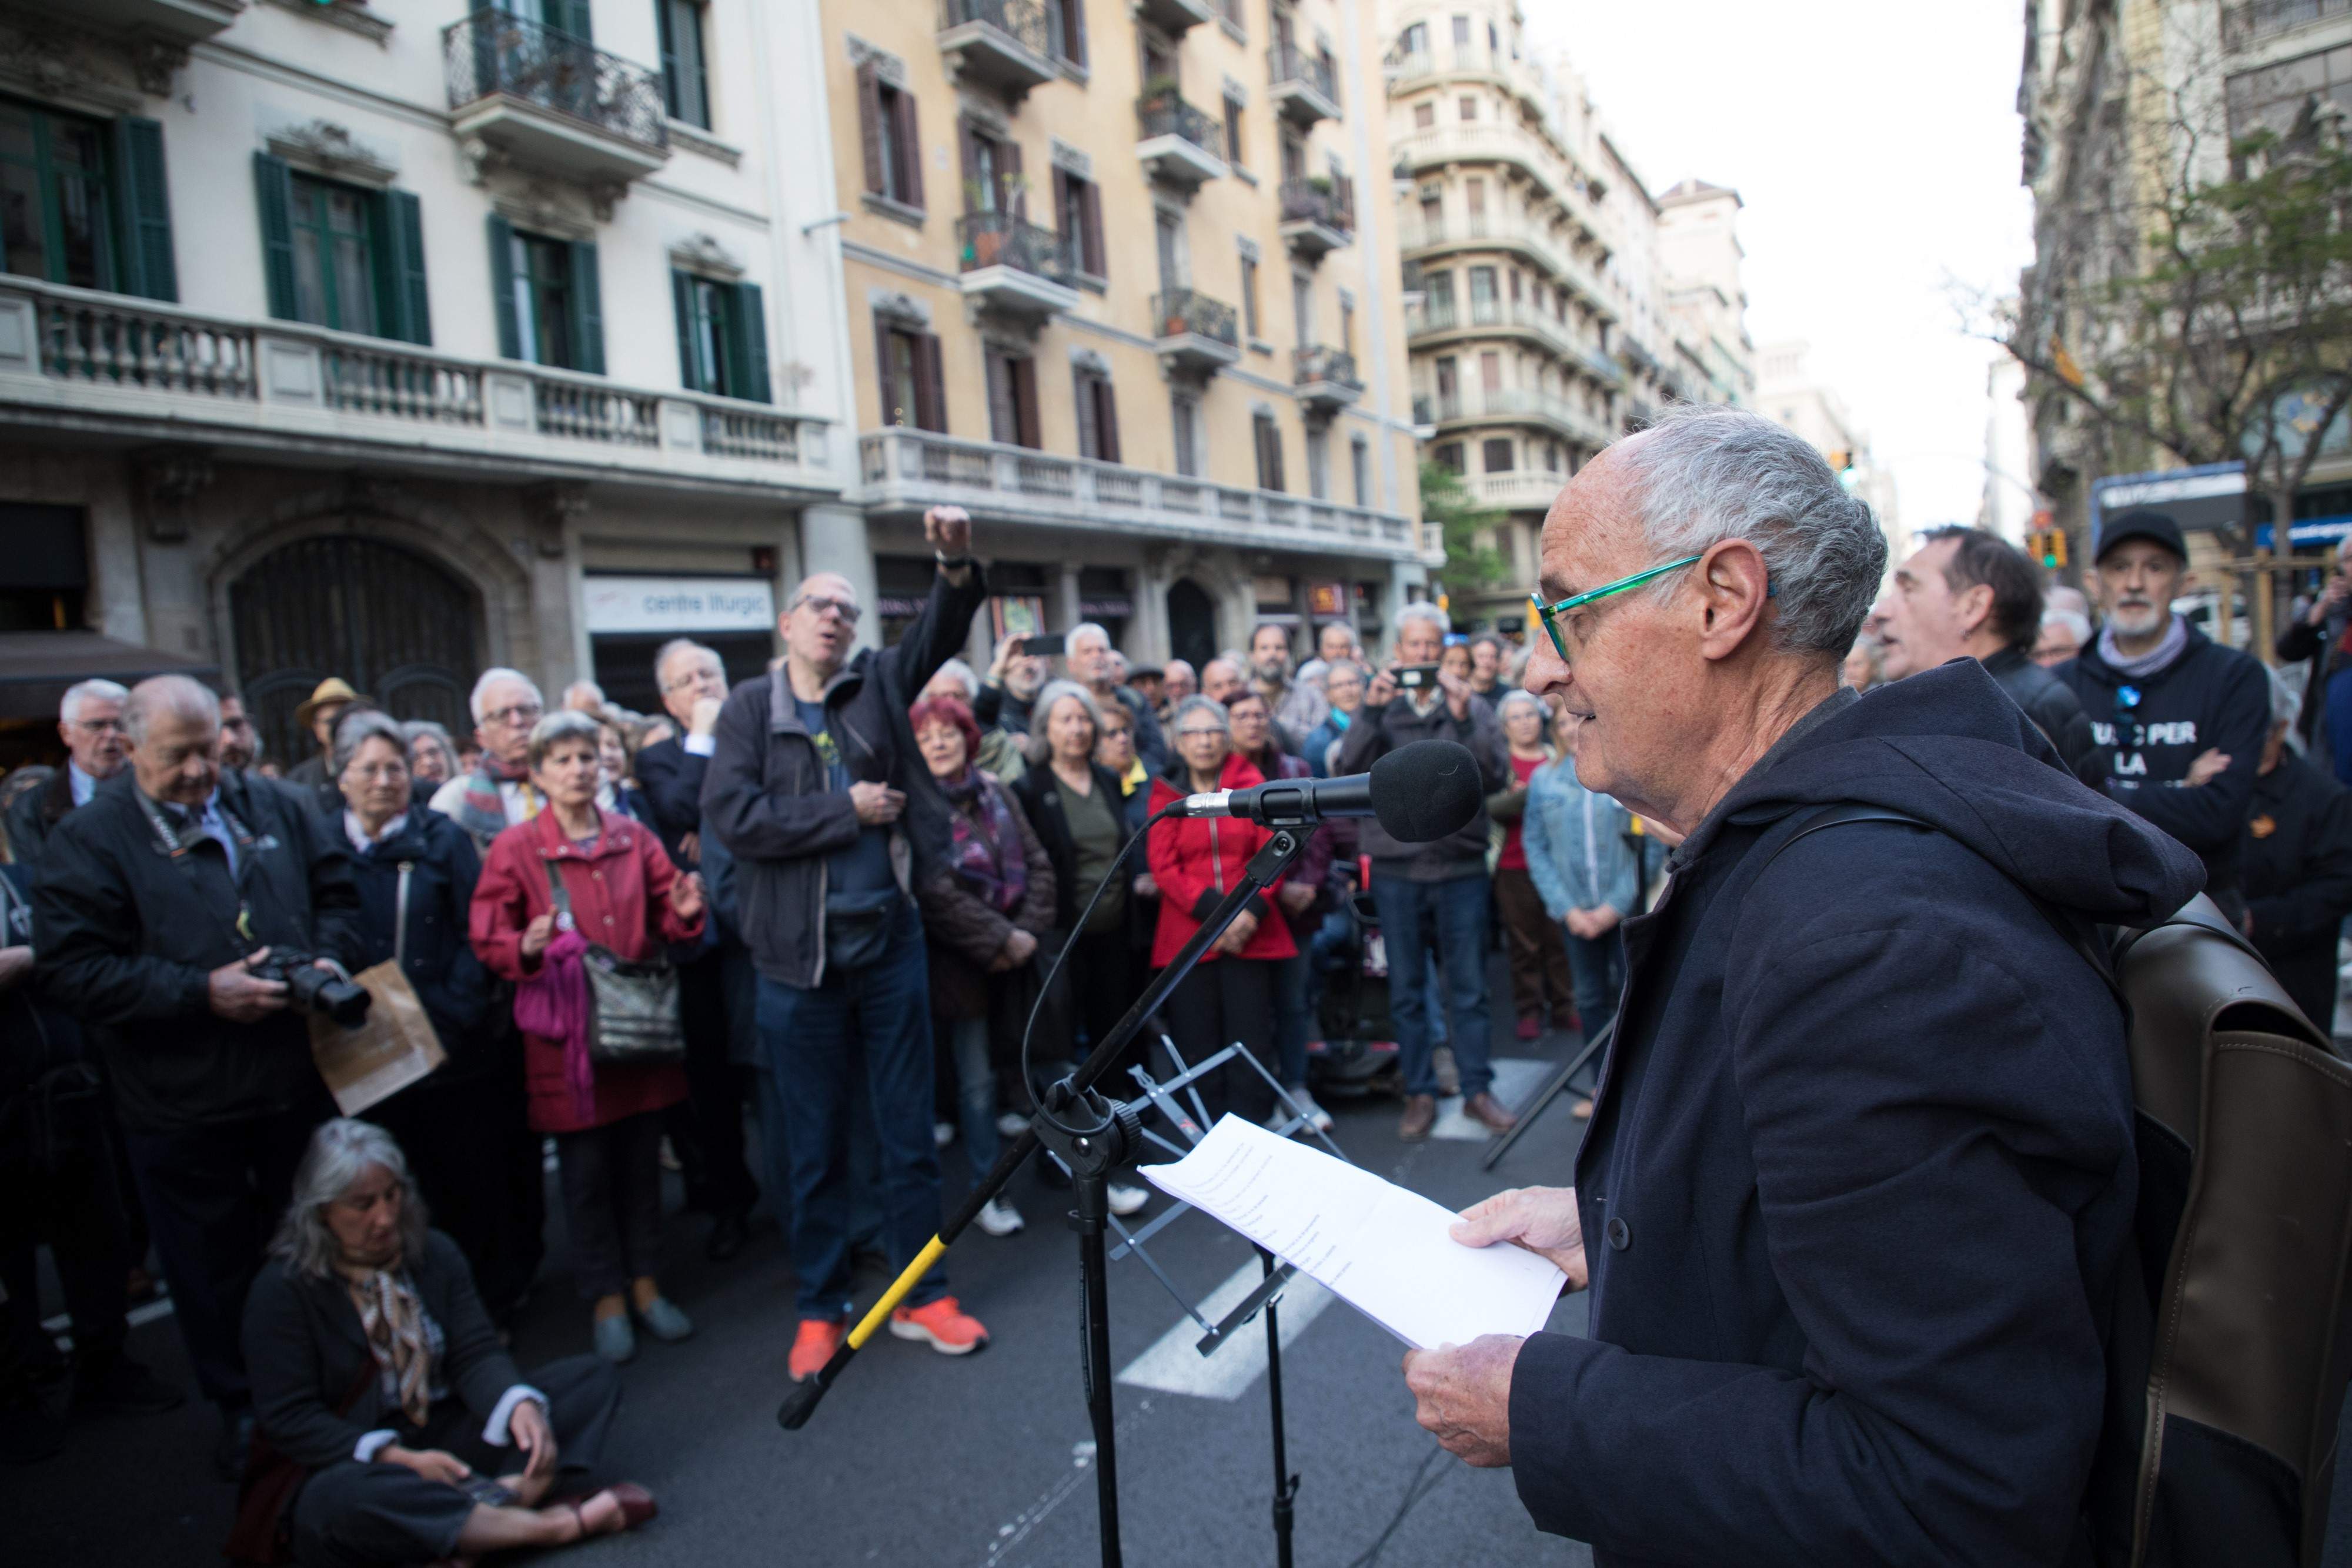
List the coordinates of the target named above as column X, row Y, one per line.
column 2152, row 525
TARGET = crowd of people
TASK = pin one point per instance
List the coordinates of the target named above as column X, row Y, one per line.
column 852, row 882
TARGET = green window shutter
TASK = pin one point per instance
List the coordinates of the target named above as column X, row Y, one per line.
column 587, row 303
column 142, row 205
column 403, row 308
column 274, row 184
column 571, row 15
column 681, row 293
column 502, row 287
column 673, row 85
column 751, row 344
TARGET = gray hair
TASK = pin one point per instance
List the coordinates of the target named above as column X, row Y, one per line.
column 1521, row 699
column 175, row 695
column 676, row 645
column 962, row 675
column 417, row 729
column 1087, row 629
column 357, row 730
column 2074, row 621
column 1423, row 609
column 1200, row 704
column 1707, row 473
column 492, row 677
column 1357, row 665
column 341, row 1151
column 70, row 708
column 1040, row 748
column 565, row 724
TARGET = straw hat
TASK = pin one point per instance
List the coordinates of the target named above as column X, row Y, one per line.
column 334, row 689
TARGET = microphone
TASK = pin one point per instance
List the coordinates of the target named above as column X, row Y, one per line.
column 1418, row 792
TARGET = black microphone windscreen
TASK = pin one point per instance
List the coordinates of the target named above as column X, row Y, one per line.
column 1426, row 791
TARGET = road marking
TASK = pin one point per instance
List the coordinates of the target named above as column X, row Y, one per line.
column 1174, row 1366
column 138, row 1317
column 1516, row 1078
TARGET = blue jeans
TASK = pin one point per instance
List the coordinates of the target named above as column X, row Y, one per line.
column 975, row 1093
column 1455, row 911
column 1597, row 964
column 873, row 1023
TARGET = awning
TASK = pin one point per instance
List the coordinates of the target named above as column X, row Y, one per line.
column 35, row 668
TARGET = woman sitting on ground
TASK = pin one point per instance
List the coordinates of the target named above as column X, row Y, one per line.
column 376, row 1373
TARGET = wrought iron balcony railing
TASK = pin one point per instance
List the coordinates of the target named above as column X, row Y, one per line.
column 1328, row 202
column 1182, row 312
column 1001, row 239
column 2252, row 21
column 1023, row 21
column 1167, row 114
column 1321, row 362
column 1293, row 64
column 492, row 52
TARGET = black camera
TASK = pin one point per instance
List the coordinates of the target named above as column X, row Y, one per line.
column 1412, row 677
column 315, row 989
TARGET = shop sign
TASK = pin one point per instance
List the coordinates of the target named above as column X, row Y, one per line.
column 678, row 605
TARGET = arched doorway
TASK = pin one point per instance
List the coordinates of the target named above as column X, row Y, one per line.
column 387, row 620
column 1191, row 623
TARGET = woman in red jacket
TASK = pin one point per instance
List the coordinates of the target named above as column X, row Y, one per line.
column 605, row 1117
column 1196, row 861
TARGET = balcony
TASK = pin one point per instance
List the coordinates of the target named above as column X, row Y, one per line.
column 1181, row 145
column 178, row 21
column 552, row 102
column 1319, row 216
column 1174, row 17
column 1478, row 405
column 1004, row 46
column 2245, row 26
column 1326, row 379
column 1522, row 149
column 74, row 360
column 905, row 471
column 1515, row 492
column 1300, row 85
column 1014, row 266
column 1197, row 336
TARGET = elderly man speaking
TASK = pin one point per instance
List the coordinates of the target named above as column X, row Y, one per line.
column 1855, row 1200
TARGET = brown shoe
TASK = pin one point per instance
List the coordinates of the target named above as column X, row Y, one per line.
column 1420, row 1116
column 1488, row 1113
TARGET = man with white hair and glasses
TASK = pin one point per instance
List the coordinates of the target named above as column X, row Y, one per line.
column 1093, row 665
column 499, row 792
column 1856, row 1198
column 89, row 721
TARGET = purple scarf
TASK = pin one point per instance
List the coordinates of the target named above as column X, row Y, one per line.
column 986, row 852
column 553, row 1005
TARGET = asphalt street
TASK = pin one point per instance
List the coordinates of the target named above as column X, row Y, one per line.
column 917, row 1458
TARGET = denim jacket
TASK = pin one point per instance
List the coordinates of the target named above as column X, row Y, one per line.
column 1576, row 844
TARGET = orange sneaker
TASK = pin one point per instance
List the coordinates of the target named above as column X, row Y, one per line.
column 950, row 1330
column 814, row 1345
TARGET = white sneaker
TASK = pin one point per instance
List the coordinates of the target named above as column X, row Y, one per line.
column 999, row 1218
column 1011, row 1124
column 1126, row 1200
column 942, row 1133
column 1317, row 1117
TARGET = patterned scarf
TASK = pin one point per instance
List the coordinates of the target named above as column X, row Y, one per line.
column 482, row 812
column 987, row 850
column 394, row 1320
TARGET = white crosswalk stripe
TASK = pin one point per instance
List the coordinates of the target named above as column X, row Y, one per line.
column 1174, row 1366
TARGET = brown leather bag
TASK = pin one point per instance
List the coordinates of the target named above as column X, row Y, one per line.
column 264, row 1496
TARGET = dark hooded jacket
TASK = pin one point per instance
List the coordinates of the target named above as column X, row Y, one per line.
column 2054, row 709
column 1861, row 1171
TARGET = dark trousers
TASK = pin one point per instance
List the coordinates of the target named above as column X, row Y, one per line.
column 1600, row 965
column 462, row 1137
column 214, row 1195
column 1222, row 1001
column 871, row 1024
column 1534, row 942
column 75, row 1207
column 612, row 1201
column 354, row 1515
column 1455, row 911
column 707, row 1130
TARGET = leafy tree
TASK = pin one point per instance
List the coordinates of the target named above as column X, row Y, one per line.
column 1472, row 561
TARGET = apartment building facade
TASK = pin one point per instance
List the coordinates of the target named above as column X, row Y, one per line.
column 1116, row 282
column 394, row 342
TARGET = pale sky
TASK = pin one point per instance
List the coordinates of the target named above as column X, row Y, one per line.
column 1877, row 148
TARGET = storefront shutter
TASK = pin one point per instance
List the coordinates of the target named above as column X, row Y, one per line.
column 144, row 212
column 274, row 186
column 406, row 311
column 587, row 307
column 502, row 287
column 751, row 333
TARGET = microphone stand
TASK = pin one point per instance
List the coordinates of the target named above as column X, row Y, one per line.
column 1092, row 1149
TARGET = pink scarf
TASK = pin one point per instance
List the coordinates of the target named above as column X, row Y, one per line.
column 553, row 1005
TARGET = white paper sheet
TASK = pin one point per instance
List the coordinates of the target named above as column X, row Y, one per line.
column 1381, row 1248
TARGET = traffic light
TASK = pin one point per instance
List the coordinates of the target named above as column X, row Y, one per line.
column 1846, row 464
column 2047, row 546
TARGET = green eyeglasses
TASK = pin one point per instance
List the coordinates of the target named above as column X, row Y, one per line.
column 1546, row 612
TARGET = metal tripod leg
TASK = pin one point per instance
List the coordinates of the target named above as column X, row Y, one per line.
column 1549, row 1093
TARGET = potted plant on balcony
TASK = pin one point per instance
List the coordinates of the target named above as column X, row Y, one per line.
column 1158, row 93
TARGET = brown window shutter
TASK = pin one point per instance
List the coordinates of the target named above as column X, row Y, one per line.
column 1108, row 418
column 970, row 156
column 1089, row 431
column 1015, row 197
column 1024, row 402
column 910, row 147
column 1072, row 252
column 932, row 390
column 1097, row 259
column 891, row 414
column 1075, row 30
column 869, row 123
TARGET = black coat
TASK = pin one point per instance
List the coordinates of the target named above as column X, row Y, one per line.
column 127, row 941
column 2054, row 709
column 304, row 1349
column 33, row 815
column 2211, row 697
column 2298, row 872
column 440, row 962
column 671, row 778
column 1860, row 1172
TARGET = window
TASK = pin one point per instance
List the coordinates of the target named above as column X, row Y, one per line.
column 1077, row 214
column 1482, row 292
column 1515, row 286
column 1347, row 326
column 1474, row 196
column 893, row 147
column 339, row 256
column 913, row 393
column 1495, row 458
column 1490, row 371
column 1302, row 309
column 83, row 201
column 1168, row 235
column 1448, row 456
column 1268, row 437
column 1359, row 467
column 547, row 299
column 1097, row 415
column 1249, row 296
column 1233, row 131
column 1185, row 423
column 686, row 83
column 991, row 170
column 1551, row 457
column 1065, row 26
column 1440, row 287
column 1012, row 398
column 1415, row 39
column 1468, row 108
column 1319, row 463
column 1294, row 155
column 334, row 282
column 1424, row 115
column 1461, row 32
column 722, row 337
